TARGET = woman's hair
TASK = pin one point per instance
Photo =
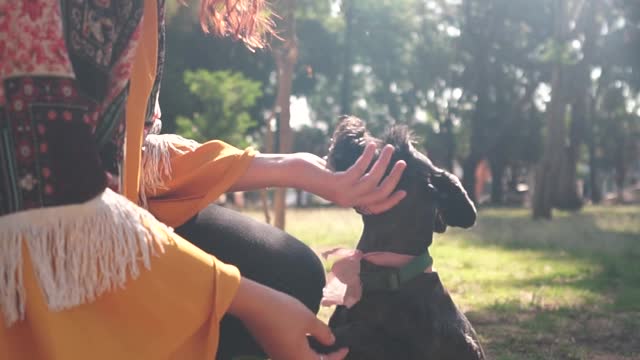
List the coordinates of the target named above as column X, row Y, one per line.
column 246, row 20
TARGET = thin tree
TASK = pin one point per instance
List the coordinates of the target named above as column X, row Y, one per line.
column 345, row 90
column 477, row 41
column 285, row 54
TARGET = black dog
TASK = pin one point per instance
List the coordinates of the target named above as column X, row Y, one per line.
column 402, row 317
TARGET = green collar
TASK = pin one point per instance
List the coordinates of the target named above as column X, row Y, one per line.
column 392, row 279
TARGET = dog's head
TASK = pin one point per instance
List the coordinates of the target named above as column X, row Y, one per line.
column 435, row 198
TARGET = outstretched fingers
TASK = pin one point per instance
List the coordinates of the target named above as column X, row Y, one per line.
column 387, row 203
column 357, row 170
column 371, row 180
column 391, row 181
column 381, row 198
column 370, row 191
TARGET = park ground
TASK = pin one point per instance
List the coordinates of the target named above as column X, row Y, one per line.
column 562, row 289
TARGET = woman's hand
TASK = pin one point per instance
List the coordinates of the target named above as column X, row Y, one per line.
column 280, row 323
column 356, row 187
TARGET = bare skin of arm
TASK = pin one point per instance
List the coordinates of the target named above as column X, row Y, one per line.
column 354, row 187
column 280, row 323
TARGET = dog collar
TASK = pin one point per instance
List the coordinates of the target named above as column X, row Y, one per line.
column 346, row 284
column 392, row 279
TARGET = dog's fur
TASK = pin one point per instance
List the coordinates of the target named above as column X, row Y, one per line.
column 418, row 321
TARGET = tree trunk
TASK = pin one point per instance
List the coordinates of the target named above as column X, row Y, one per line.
column 513, row 180
column 567, row 196
column 595, row 192
column 469, row 175
column 299, row 198
column 549, row 168
column 477, row 142
column 478, row 130
column 498, row 167
column 450, row 141
column 620, row 168
column 286, row 56
column 345, row 91
column 269, row 148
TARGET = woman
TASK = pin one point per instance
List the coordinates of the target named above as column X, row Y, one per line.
column 85, row 273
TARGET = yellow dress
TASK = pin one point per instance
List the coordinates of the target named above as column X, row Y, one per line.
column 169, row 312
column 172, row 307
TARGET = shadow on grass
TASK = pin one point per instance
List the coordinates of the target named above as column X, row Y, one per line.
column 605, row 243
column 606, row 238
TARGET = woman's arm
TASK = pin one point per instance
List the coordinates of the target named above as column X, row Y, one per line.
column 354, row 187
column 280, row 323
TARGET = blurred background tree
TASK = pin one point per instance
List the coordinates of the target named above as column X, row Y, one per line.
column 221, row 104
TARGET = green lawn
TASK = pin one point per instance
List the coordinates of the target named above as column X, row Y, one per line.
column 565, row 289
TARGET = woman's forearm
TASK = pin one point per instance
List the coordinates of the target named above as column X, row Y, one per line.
column 280, row 323
column 300, row 170
column 362, row 185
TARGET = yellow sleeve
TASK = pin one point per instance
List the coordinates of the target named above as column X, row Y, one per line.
column 143, row 74
column 199, row 175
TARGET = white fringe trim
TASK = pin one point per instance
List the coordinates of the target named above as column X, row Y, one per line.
column 78, row 252
column 11, row 285
column 156, row 162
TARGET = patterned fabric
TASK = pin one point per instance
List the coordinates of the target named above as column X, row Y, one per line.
column 152, row 124
column 31, row 40
column 41, row 112
column 64, row 78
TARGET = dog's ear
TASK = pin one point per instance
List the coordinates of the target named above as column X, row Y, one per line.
column 454, row 208
column 347, row 144
column 439, row 225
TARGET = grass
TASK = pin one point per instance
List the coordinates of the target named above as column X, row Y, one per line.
column 564, row 289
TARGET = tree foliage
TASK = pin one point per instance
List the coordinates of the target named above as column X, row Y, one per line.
column 472, row 78
column 222, row 101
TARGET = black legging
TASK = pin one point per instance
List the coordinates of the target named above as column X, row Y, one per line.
column 264, row 254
